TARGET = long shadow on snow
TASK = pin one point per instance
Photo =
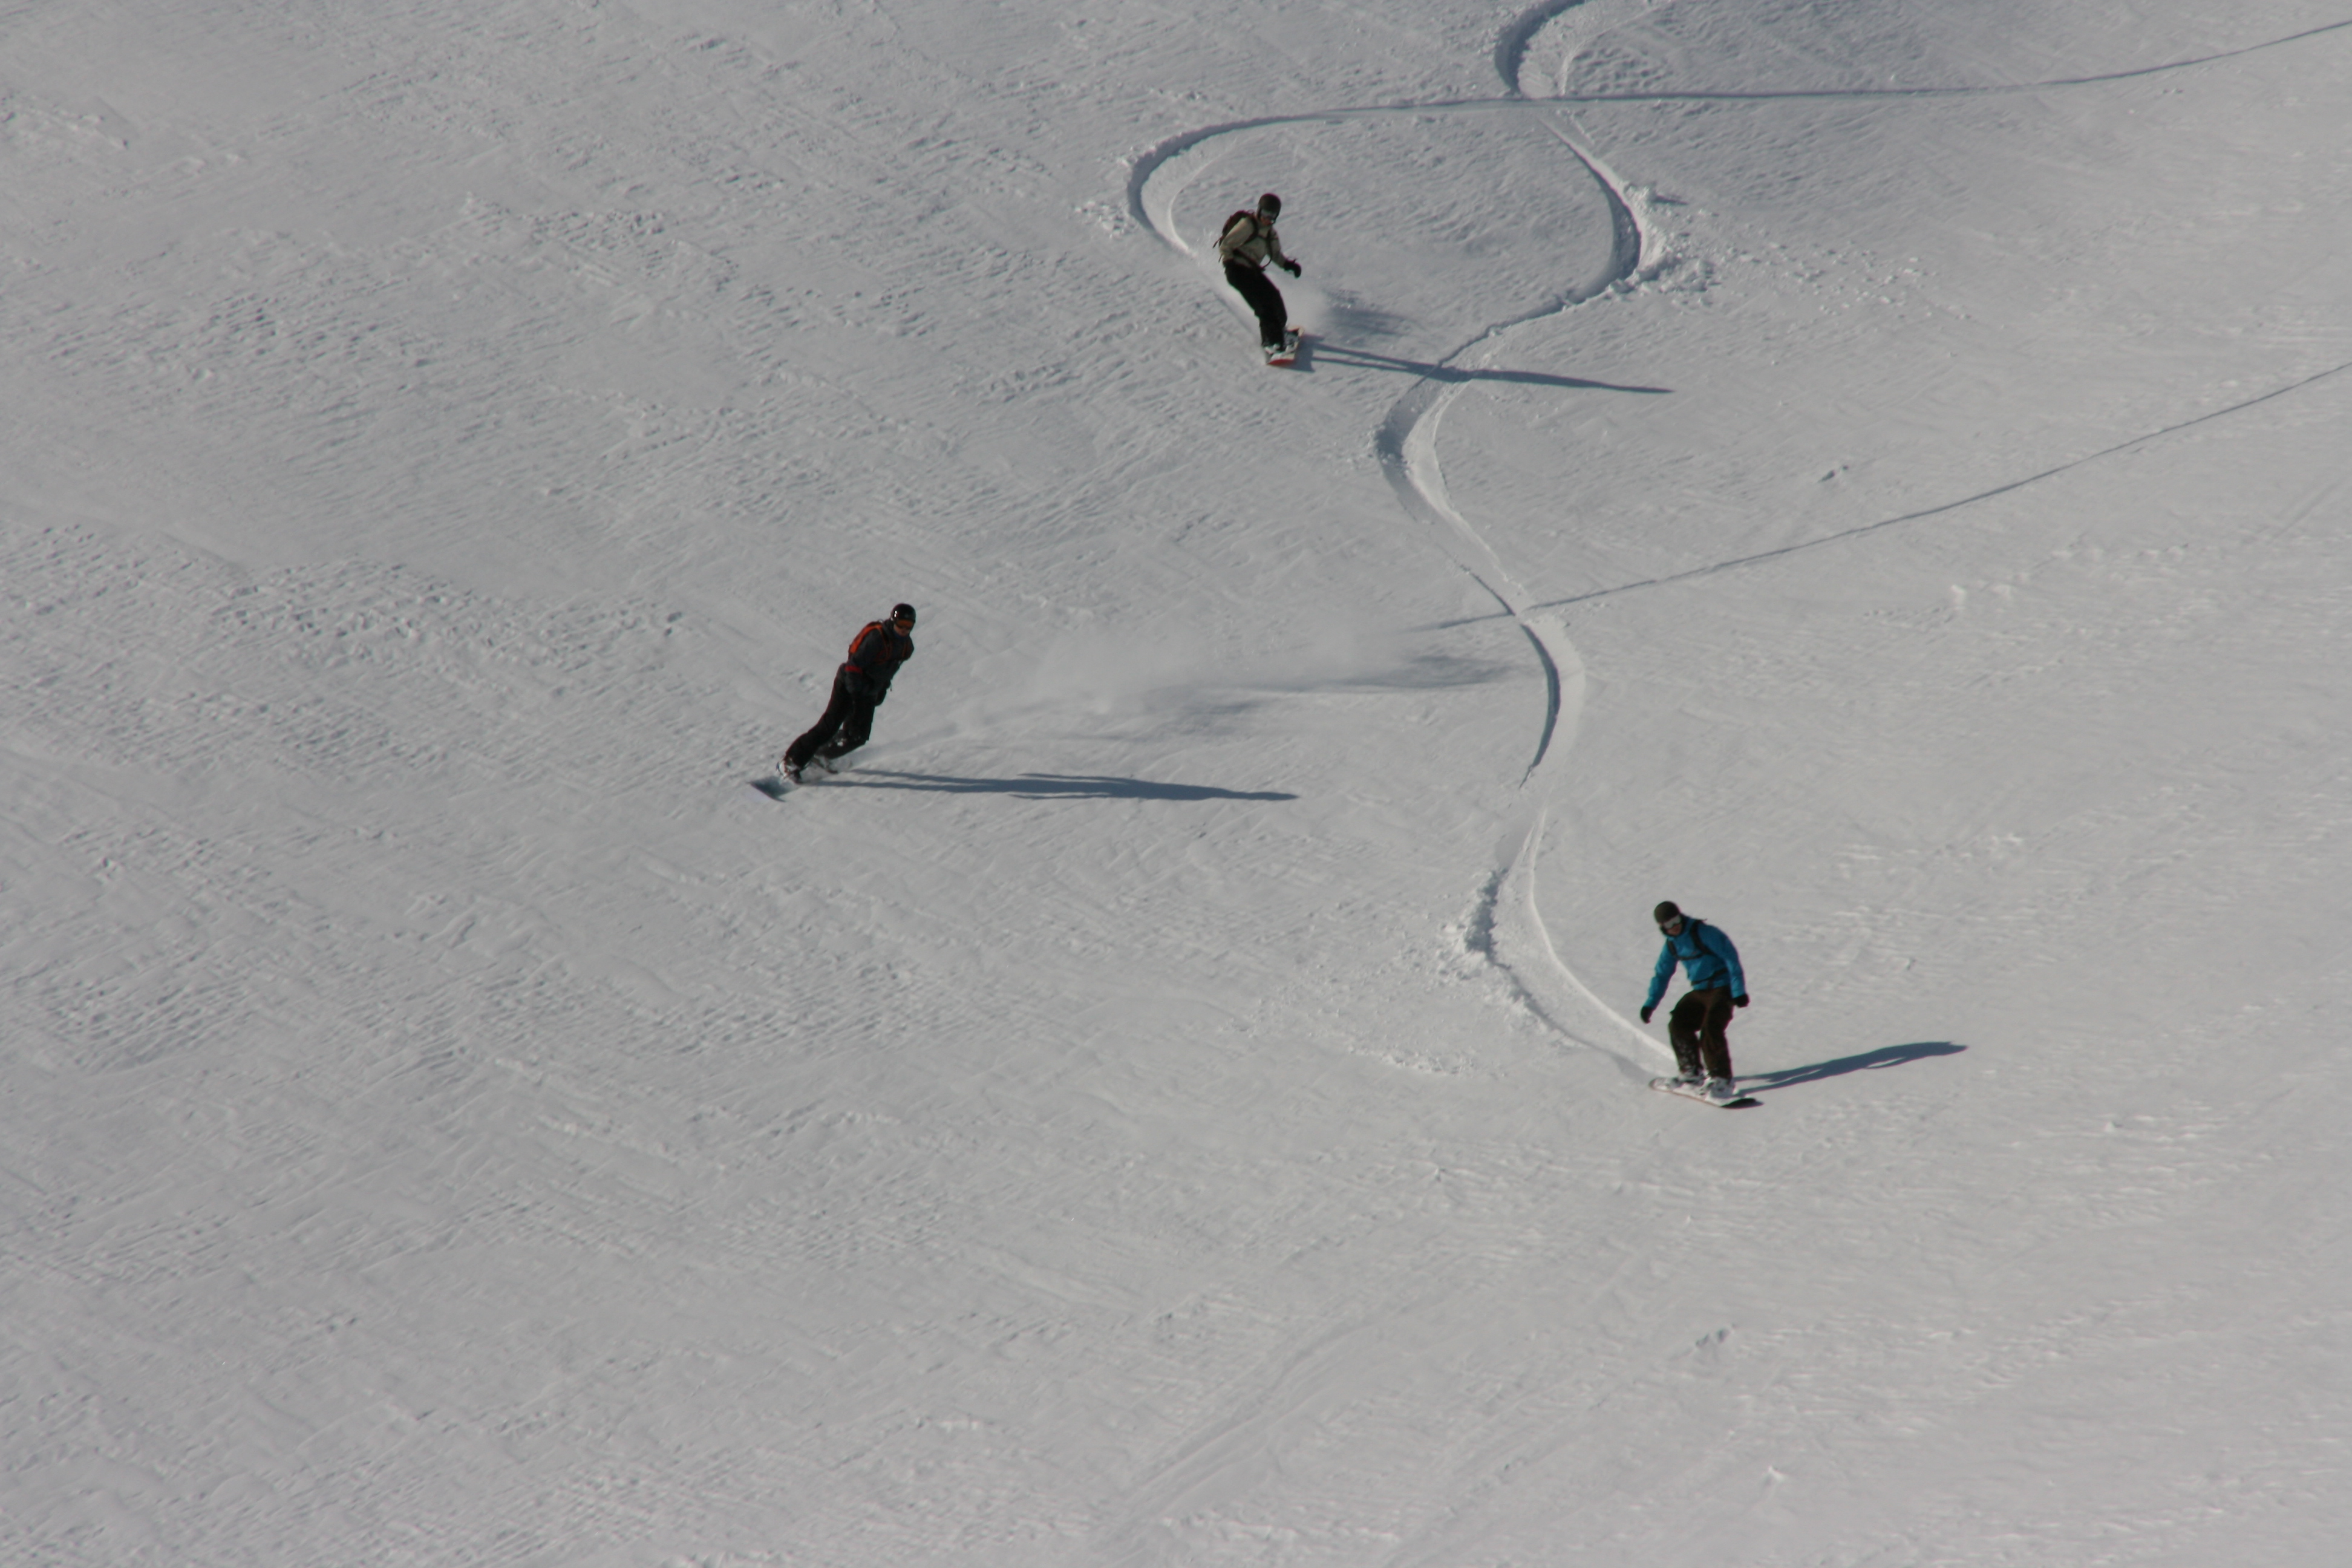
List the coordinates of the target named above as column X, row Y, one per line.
column 1884, row 1057
column 1422, row 672
column 1316, row 351
column 1049, row 786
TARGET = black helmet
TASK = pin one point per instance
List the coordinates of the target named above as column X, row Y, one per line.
column 903, row 613
column 1270, row 204
column 1665, row 912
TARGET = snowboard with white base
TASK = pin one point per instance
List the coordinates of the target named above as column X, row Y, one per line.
column 1286, row 352
column 1690, row 1091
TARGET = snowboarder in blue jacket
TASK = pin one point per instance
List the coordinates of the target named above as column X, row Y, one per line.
column 1711, row 964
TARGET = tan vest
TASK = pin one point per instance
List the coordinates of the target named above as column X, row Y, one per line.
column 1251, row 240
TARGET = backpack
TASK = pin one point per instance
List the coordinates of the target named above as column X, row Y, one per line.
column 1239, row 213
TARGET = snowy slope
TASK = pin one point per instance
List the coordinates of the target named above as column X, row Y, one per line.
column 1870, row 471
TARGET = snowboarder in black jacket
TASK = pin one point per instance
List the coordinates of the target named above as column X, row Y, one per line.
column 858, row 688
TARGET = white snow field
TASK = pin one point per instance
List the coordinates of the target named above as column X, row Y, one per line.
column 1874, row 472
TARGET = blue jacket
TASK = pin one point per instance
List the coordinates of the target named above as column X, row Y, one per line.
column 1707, row 957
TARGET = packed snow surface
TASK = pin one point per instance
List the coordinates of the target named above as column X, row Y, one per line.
column 1873, row 472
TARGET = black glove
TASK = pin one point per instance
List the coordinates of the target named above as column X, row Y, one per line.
column 1647, row 1011
column 1739, row 1001
column 1292, row 267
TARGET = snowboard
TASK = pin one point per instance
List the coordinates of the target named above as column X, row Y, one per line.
column 776, row 785
column 1287, row 354
column 1692, row 1092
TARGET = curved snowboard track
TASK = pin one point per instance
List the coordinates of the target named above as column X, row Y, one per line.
column 1511, row 44
column 1405, row 442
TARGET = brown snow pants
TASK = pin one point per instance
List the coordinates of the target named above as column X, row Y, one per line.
column 1696, row 1026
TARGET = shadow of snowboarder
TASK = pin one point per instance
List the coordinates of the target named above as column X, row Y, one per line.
column 1884, row 1057
column 1322, row 351
column 1049, row 786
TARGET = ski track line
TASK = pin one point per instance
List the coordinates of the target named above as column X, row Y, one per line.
column 1737, row 562
column 1406, row 439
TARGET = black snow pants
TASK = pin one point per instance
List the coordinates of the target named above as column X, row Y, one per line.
column 847, row 720
column 1253, row 285
column 1696, row 1026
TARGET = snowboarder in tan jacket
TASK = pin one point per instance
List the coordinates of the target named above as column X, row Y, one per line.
column 1246, row 245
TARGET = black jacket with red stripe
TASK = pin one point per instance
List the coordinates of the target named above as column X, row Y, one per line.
column 875, row 655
